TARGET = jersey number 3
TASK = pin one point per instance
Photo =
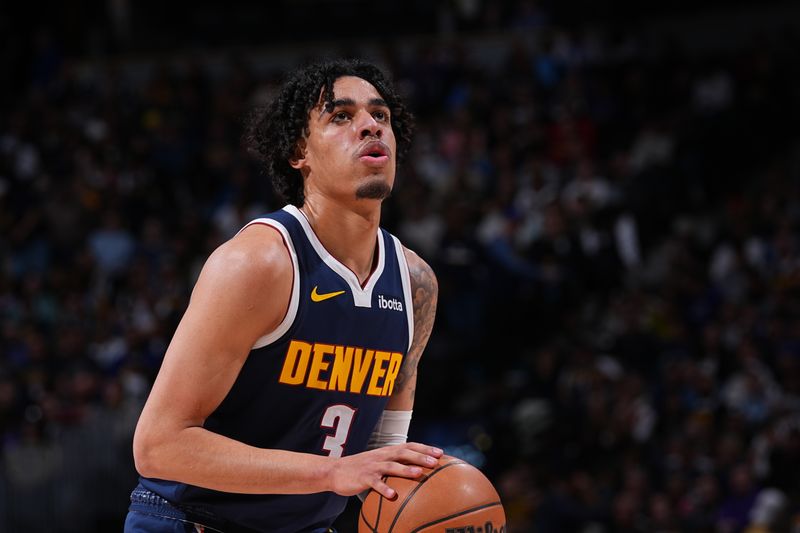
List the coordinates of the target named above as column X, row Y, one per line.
column 337, row 417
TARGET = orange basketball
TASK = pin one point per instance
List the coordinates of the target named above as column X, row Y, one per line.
column 453, row 497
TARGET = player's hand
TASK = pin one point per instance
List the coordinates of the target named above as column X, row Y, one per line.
column 356, row 473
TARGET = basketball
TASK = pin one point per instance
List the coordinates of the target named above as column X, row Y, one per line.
column 453, row 497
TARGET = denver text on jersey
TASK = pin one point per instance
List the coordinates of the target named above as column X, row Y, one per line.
column 310, row 365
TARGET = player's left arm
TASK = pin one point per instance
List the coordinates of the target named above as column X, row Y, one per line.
column 393, row 424
column 424, row 293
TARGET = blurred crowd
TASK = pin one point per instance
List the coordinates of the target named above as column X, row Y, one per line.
column 614, row 222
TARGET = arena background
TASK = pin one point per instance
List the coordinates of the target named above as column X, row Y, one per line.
column 609, row 193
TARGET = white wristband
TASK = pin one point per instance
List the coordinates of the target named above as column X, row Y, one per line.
column 392, row 428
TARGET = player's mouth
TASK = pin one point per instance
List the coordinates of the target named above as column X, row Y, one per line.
column 374, row 154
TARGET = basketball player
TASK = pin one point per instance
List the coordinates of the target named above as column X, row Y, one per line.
column 299, row 347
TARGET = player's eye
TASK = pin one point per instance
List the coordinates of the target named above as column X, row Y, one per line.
column 341, row 116
column 381, row 116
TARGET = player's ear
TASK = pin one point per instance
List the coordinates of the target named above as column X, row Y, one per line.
column 298, row 159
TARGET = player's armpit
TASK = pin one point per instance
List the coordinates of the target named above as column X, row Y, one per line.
column 425, row 292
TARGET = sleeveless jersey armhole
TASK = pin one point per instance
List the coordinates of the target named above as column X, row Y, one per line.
column 294, row 299
column 405, row 277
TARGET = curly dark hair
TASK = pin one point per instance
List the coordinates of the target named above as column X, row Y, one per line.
column 274, row 130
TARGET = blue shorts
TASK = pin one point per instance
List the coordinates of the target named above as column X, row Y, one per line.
column 150, row 513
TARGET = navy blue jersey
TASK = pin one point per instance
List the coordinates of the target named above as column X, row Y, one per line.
column 318, row 383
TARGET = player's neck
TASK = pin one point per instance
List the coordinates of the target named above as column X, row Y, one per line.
column 347, row 234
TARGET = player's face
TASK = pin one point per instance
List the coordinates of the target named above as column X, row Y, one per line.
column 350, row 147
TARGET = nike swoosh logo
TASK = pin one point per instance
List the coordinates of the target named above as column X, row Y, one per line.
column 316, row 297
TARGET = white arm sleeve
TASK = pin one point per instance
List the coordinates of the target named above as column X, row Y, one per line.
column 392, row 428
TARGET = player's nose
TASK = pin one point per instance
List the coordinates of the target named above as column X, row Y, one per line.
column 369, row 127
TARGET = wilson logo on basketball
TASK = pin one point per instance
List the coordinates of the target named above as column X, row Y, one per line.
column 488, row 527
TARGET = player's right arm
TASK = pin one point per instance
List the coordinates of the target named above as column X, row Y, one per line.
column 242, row 293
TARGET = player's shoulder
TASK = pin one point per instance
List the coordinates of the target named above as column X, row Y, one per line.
column 257, row 251
column 424, row 295
column 420, row 272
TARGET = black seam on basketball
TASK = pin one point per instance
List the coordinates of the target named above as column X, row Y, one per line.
column 478, row 508
column 374, row 529
column 410, row 494
column 380, row 506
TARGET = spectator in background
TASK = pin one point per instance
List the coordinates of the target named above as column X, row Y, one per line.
column 555, row 164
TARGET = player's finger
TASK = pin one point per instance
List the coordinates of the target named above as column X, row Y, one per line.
column 417, row 458
column 390, row 468
column 424, row 448
column 384, row 490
